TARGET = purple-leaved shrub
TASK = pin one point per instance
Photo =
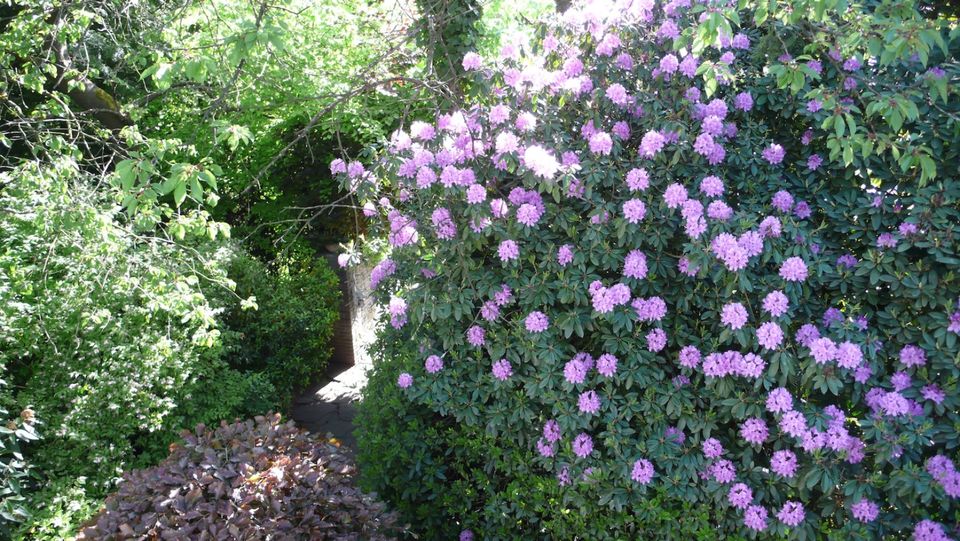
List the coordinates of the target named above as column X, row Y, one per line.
column 256, row 479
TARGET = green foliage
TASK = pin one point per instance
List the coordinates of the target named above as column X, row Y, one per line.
column 504, row 21
column 286, row 109
column 86, row 304
column 447, row 30
column 287, row 338
column 407, row 455
column 123, row 125
column 60, row 509
column 16, row 476
column 443, row 477
column 218, row 393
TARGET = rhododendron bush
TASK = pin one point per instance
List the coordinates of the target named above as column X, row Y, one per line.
column 694, row 251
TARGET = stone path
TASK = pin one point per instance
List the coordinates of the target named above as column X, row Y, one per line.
column 330, row 406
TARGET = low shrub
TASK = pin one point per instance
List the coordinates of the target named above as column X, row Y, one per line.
column 18, row 428
column 59, row 509
column 288, row 337
column 248, row 480
column 218, row 393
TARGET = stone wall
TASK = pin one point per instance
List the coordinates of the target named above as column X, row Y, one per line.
column 358, row 315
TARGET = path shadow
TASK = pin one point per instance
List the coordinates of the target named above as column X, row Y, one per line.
column 329, row 406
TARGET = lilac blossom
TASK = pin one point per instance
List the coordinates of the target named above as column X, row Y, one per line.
column 638, row 180
column 607, row 365
column 791, row 514
column 865, row 511
column 689, row 357
column 734, row 315
column 476, row 336
column 508, row 251
column 779, row 400
column 712, row 448
column 754, row 431
column 656, row 340
column 774, row 154
column 433, row 364
column 635, row 265
column 634, row 210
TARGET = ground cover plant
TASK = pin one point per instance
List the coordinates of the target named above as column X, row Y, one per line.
column 701, row 254
column 256, row 479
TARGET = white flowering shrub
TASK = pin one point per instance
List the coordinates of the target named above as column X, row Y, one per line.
column 675, row 251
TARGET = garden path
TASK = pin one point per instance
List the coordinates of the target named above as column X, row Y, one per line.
column 330, row 405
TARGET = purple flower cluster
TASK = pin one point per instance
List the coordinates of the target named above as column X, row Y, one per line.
column 433, row 364
column 774, row 154
column 606, row 299
column 754, row 431
column 398, row 312
column 755, row 518
column 381, row 271
column 730, row 251
column 649, row 310
column 642, row 471
column 634, row 210
column 476, row 336
column 943, row 472
column 770, row 335
column 734, row 315
column 443, row 224
column 689, row 357
column 784, row 463
column 792, row 513
column 656, row 340
column 502, row 370
column 638, row 180
column 508, row 251
column 536, row 322
column 589, row 402
column 728, row 363
column 712, row 448
column 575, row 370
column 607, row 365
column 793, row 269
column 740, row 496
column 651, row 144
column 865, row 511
column 582, row 445
column 635, row 265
